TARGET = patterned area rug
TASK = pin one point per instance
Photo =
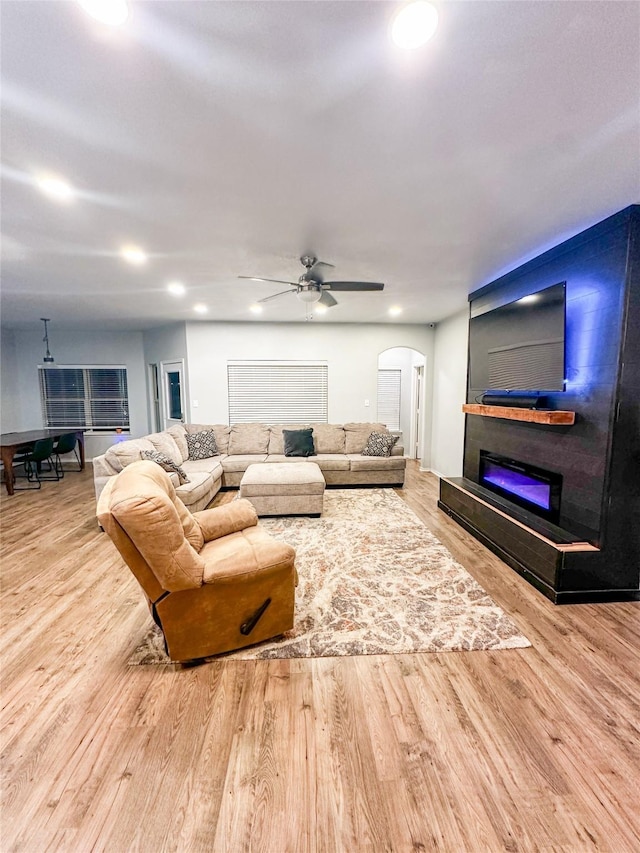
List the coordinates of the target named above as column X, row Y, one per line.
column 373, row 580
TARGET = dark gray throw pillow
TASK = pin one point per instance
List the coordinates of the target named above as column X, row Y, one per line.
column 379, row 444
column 298, row 442
column 167, row 463
column 202, row 445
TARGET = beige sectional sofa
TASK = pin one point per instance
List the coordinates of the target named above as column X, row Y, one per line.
column 338, row 454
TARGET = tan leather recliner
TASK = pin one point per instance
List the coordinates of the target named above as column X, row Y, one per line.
column 214, row 580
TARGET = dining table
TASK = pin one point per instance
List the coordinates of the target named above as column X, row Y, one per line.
column 12, row 442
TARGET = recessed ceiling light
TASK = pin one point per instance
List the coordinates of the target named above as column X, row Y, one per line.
column 395, row 310
column 320, row 309
column 134, row 255
column 110, row 12
column 255, row 308
column 200, row 308
column 176, row 288
column 55, row 188
column 414, row 24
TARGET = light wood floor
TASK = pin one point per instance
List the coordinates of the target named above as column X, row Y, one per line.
column 524, row 750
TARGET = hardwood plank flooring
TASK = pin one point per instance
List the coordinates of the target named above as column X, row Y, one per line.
column 523, row 750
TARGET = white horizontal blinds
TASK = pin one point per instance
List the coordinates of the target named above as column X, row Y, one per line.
column 278, row 392
column 85, row 397
column 389, row 380
column 62, row 394
column 108, row 397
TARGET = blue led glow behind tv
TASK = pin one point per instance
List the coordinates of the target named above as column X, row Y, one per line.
column 520, row 346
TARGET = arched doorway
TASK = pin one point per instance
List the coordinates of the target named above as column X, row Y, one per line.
column 401, row 395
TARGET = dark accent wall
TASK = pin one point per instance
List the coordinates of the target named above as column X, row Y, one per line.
column 599, row 456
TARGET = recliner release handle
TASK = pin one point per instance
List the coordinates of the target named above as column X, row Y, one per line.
column 247, row 627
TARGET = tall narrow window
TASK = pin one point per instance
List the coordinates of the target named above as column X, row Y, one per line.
column 278, row 392
column 94, row 398
column 389, row 388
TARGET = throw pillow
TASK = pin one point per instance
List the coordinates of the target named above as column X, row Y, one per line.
column 167, row 463
column 298, row 442
column 379, row 444
column 202, row 445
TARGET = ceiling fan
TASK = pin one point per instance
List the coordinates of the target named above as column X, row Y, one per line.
column 311, row 286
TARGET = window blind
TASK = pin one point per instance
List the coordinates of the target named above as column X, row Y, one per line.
column 93, row 398
column 278, row 392
column 389, row 382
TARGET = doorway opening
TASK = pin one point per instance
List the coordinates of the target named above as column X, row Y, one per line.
column 401, row 395
column 172, row 393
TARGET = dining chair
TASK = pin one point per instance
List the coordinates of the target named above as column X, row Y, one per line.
column 66, row 443
column 32, row 463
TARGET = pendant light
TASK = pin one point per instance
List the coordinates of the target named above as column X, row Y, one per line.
column 48, row 358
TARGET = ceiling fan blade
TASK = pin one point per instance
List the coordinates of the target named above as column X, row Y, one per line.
column 274, row 295
column 353, row 285
column 327, row 299
column 269, row 280
column 316, row 272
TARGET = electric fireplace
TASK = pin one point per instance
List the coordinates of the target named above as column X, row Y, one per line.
column 526, row 485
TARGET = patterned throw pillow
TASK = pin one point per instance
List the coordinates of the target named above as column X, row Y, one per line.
column 379, row 444
column 202, row 445
column 167, row 463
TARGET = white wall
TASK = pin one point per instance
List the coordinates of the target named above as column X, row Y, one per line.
column 74, row 347
column 351, row 352
column 449, row 394
column 10, row 417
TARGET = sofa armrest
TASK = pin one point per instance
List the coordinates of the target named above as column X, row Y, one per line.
column 229, row 518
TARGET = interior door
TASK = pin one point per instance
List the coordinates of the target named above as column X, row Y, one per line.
column 172, row 393
column 417, row 408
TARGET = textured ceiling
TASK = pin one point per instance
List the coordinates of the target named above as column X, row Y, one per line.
column 229, row 138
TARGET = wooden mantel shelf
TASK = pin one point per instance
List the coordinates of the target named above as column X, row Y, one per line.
column 536, row 416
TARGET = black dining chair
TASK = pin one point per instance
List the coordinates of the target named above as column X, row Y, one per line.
column 32, row 462
column 67, row 443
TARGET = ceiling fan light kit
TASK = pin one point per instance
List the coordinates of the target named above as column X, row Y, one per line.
column 311, row 287
column 309, row 293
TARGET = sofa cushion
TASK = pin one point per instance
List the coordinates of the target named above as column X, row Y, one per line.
column 379, row 444
column 248, row 438
column 202, row 445
column 356, row 435
column 328, row 438
column 331, row 461
column 179, row 435
column 125, row 452
column 280, row 457
column 298, row 442
column 376, row 463
column 165, row 443
column 198, row 487
column 241, row 461
column 211, row 466
column 221, row 432
column 324, row 461
column 276, row 438
column 166, row 463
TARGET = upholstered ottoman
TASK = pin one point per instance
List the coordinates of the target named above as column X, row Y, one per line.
column 278, row 489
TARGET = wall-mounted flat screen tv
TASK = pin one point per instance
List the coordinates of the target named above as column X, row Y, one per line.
column 520, row 346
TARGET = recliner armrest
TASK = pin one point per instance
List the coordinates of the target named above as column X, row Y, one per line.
column 229, row 518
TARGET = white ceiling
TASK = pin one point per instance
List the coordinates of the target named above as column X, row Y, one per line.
column 227, row 138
